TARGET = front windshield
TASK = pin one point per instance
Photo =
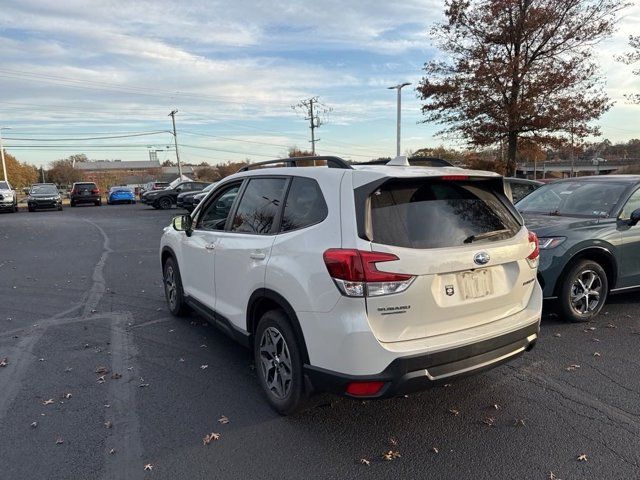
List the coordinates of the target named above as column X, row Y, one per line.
column 44, row 190
column 573, row 198
column 4, row 186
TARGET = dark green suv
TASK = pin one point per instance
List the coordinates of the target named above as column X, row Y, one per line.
column 589, row 240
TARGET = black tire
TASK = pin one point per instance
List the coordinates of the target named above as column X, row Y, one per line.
column 15, row 208
column 60, row 208
column 285, row 398
column 164, row 203
column 98, row 203
column 573, row 305
column 172, row 282
column 31, row 209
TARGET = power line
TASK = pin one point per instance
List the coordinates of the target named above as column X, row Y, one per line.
column 142, row 134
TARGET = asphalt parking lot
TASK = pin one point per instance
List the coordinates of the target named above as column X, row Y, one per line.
column 81, row 289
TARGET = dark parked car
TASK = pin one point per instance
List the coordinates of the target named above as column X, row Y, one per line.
column 44, row 195
column 165, row 199
column 85, row 192
column 8, row 198
column 151, row 187
column 185, row 199
column 589, row 240
column 518, row 188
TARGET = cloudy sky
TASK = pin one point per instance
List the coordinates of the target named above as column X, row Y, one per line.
column 76, row 69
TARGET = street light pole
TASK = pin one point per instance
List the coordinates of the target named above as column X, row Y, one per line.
column 4, row 165
column 399, row 113
column 175, row 140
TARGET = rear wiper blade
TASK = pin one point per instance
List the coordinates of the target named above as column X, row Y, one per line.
column 481, row 236
column 555, row 213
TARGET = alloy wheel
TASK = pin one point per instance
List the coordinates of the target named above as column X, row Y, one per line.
column 170, row 286
column 586, row 292
column 275, row 362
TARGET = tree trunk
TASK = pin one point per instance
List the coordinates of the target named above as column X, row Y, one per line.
column 512, row 150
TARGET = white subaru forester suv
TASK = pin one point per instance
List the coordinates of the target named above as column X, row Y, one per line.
column 361, row 280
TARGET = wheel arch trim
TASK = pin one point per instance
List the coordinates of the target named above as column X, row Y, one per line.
column 274, row 297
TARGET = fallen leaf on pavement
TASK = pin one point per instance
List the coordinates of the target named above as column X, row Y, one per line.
column 112, row 451
column 520, row 422
column 611, row 325
column 557, row 335
column 101, row 379
column 206, row 440
column 116, row 376
column 34, row 424
column 48, row 402
column 495, row 406
column 364, row 461
column 102, row 370
column 582, row 458
column 4, row 362
column 224, row 420
column 143, row 385
column 491, row 421
column 590, row 329
column 59, row 441
column 454, row 412
column 108, row 424
column 148, row 467
column 570, row 368
column 597, row 354
column 390, row 455
column 202, row 367
column 435, row 449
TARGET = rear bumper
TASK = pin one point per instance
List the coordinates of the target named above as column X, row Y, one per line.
column 85, row 198
column 418, row 372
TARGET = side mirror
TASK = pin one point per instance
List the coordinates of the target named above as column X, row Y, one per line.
column 183, row 223
column 635, row 217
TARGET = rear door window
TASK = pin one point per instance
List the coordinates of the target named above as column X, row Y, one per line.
column 434, row 213
column 259, row 206
column 305, row 205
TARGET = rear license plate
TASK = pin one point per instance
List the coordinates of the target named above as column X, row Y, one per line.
column 476, row 284
column 85, row 193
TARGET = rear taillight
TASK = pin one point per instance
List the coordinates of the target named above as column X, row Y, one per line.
column 74, row 192
column 356, row 274
column 534, row 257
column 95, row 191
column 364, row 389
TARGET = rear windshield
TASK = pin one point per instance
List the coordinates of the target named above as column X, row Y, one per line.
column 438, row 213
column 85, row 186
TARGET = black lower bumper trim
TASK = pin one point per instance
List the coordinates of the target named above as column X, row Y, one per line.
column 418, row 372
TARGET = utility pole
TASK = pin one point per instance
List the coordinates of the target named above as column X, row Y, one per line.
column 312, row 108
column 4, row 165
column 572, row 159
column 175, row 141
column 399, row 113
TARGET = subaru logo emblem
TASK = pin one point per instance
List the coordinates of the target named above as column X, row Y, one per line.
column 481, row 258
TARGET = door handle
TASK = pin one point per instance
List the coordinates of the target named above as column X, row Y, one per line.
column 257, row 256
column 210, row 246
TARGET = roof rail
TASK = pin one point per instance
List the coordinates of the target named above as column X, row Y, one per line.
column 332, row 162
column 414, row 161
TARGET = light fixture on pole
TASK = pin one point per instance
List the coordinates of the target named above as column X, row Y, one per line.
column 399, row 89
column 4, row 165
